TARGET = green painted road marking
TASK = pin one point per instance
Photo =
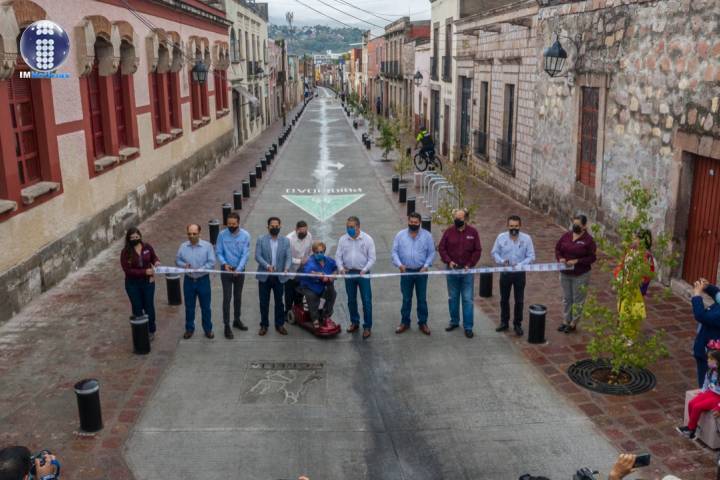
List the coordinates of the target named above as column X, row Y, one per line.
column 323, row 207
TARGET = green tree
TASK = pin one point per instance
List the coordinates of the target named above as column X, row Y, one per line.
column 462, row 180
column 388, row 137
column 403, row 165
column 617, row 332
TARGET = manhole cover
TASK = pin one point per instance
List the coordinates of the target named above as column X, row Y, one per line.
column 284, row 383
column 586, row 373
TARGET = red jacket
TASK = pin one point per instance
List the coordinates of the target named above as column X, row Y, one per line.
column 583, row 250
column 134, row 266
column 461, row 247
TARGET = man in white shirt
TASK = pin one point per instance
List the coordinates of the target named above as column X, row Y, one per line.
column 301, row 248
column 356, row 256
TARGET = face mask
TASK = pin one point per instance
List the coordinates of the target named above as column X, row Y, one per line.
column 414, row 228
column 302, row 235
column 135, row 242
column 712, row 365
column 233, row 229
column 320, row 256
column 514, row 232
column 351, row 231
column 576, row 229
column 459, row 223
column 274, row 231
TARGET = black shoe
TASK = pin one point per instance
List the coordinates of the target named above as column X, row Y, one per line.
column 469, row 333
column 239, row 325
column 686, row 432
column 451, row 327
column 562, row 327
column 570, row 329
column 518, row 330
column 502, row 327
column 210, row 335
column 228, row 332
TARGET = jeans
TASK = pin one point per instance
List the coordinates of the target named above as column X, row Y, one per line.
column 702, row 368
column 419, row 283
column 574, row 289
column 272, row 284
column 351, row 287
column 232, row 286
column 516, row 282
column 197, row 288
column 461, row 286
column 141, row 293
column 313, row 301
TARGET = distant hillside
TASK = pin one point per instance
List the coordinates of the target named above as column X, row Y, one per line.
column 317, row 39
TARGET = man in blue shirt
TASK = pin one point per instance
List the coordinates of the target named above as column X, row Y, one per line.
column 320, row 286
column 233, row 250
column 196, row 253
column 514, row 249
column 413, row 251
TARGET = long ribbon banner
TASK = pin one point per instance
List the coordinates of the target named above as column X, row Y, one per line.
column 535, row 267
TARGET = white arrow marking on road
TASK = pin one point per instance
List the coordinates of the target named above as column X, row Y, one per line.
column 337, row 165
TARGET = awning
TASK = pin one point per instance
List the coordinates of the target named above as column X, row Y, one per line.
column 246, row 93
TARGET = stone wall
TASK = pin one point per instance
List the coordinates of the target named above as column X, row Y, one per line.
column 658, row 66
column 52, row 263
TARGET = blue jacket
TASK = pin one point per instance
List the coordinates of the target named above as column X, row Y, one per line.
column 312, row 265
column 708, row 320
column 263, row 256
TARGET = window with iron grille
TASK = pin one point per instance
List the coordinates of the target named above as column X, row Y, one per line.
column 174, row 94
column 481, row 135
column 506, row 145
column 119, row 95
column 96, row 114
column 588, row 132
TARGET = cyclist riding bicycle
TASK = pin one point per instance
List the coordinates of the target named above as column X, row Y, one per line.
column 428, row 145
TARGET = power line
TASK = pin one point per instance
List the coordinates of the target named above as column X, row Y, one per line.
column 350, row 14
column 324, row 14
column 366, row 11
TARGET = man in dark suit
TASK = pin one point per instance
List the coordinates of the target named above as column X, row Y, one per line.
column 272, row 253
column 709, row 320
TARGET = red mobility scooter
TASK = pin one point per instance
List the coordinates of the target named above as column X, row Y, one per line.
column 300, row 316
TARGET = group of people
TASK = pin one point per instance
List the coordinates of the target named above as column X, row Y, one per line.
column 280, row 258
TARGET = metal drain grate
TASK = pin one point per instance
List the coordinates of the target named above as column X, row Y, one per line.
column 640, row 380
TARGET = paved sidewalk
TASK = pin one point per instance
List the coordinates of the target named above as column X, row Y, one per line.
column 641, row 423
column 80, row 329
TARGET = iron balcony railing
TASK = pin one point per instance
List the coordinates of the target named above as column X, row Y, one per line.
column 433, row 68
column 480, row 143
column 505, row 156
column 446, row 68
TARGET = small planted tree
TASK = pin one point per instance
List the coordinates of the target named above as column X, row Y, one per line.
column 388, row 138
column 403, row 165
column 617, row 333
column 459, row 177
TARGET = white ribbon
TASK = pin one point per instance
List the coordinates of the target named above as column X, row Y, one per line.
column 535, row 267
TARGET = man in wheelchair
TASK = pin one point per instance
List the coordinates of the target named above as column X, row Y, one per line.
column 319, row 286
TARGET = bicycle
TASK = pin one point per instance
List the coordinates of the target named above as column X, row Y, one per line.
column 423, row 160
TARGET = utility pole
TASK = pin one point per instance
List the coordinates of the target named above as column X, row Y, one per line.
column 283, row 75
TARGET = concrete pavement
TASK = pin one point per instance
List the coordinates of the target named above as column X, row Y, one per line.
column 391, row 407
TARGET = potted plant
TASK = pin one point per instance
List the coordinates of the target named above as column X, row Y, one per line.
column 620, row 349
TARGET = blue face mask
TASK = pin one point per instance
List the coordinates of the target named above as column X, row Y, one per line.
column 320, row 256
column 351, row 231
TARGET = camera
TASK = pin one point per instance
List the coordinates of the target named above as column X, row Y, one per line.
column 585, row 474
column 41, row 457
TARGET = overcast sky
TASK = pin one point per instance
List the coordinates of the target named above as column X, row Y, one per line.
column 388, row 9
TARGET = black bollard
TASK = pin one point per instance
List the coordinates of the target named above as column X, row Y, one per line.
column 395, row 183
column 237, row 200
column 274, row 147
column 253, row 179
column 174, row 293
column 427, row 223
column 140, row 334
column 364, row 137
column 226, row 209
column 368, row 144
column 214, row 230
column 410, row 205
column 536, row 328
column 258, row 171
column 403, row 194
column 246, row 188
column 486, row 284
column 281, row 139
column 88, row 398
column 263, row 165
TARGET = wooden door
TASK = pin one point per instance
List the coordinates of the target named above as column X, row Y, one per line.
column 96, row 122
column 702, row 251
column 587, row 143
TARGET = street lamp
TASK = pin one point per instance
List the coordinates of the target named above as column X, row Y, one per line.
column 199, row 72
column 418, row 78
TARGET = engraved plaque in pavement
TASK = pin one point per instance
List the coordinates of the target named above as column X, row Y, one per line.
column 284, row 383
